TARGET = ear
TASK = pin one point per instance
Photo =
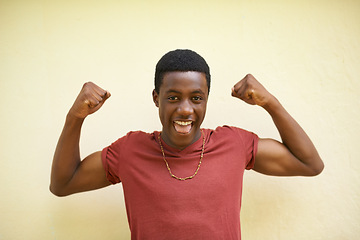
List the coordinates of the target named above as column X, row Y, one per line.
column 155, row 98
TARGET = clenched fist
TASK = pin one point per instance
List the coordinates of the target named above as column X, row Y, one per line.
column 251, row 91
column 89, row 100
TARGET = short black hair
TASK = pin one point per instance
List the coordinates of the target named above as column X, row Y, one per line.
column 182, row 60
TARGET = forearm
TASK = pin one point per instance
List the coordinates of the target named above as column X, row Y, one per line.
column 67, row 154
column 293, row 136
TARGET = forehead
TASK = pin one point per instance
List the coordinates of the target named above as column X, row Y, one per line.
column 184, row 81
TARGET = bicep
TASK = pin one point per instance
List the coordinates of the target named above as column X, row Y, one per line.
column 273, row 158
column 89, row 175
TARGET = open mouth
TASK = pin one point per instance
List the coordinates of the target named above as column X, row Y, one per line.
column 183, row 127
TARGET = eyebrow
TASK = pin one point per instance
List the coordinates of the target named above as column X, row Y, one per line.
column 179, row 92
column 198, row 91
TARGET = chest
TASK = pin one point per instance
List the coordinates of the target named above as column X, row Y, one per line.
column 148, row 177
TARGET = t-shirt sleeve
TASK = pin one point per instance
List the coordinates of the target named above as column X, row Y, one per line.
column 249, row 140
column 251, row 148
column 110, row 160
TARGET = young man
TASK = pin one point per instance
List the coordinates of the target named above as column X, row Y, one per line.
column 184, row 182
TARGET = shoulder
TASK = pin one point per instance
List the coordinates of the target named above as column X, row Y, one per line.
column 229, row 134
column 135, row 137
column 226, row 130
column 141, row 135
column 132, row 142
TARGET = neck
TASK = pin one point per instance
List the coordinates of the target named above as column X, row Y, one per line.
column 179, row 143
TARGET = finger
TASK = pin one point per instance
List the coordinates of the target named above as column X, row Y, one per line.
column 87, row 102
column 249, row 98
column 104, row 94
column 241, row 91
column 235, row 89
column 98, row 90
column 89, row 94
column 92, row 101
column 97, row 101
column 246, row 94
column 107, row 95
column 236, row 92
column 238, row 85
column 95, row 96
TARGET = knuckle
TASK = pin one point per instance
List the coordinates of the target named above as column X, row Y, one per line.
column 87, row 84
column 249, row 75
column 87, row 94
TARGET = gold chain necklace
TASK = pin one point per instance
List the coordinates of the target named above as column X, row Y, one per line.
column 168, row 167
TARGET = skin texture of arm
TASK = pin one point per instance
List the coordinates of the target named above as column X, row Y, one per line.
column 296, row 155
column 69, row 173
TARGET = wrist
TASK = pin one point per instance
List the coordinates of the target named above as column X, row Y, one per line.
column 73, row 119
column 272, row 105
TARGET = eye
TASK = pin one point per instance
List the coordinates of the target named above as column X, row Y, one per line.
column 197, row 98
column 173, row 98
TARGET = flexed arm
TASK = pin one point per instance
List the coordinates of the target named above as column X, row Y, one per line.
column 69, row 174
column 296, row 155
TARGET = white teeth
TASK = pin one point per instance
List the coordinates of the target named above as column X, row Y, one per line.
column 183, row 123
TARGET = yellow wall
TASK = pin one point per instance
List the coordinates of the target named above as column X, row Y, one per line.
column 307, row 53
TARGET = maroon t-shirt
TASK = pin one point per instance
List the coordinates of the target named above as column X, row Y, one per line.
column 161, row 207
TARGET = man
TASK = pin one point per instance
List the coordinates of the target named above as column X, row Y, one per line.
column 184, row 182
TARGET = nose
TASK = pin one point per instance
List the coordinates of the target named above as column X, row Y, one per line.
column 185, row 108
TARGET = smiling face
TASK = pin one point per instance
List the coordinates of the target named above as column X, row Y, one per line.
column 181, row 100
